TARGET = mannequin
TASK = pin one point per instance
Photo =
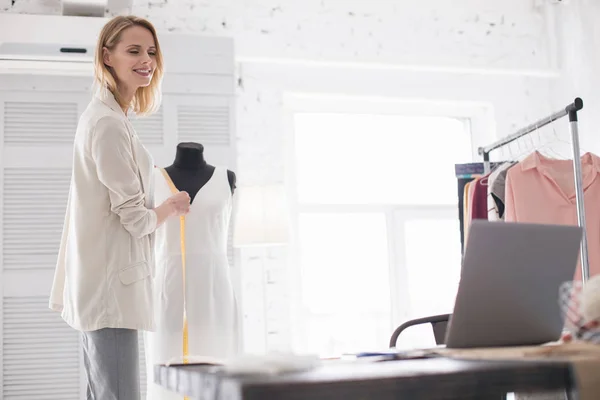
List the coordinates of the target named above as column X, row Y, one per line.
column 196, row 312
column 190, row 171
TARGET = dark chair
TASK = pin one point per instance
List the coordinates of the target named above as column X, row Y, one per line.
column 438, row 324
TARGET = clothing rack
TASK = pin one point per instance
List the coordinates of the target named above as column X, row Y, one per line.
column 571, row 111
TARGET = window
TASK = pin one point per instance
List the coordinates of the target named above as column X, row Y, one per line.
column 378, row 233
column 344, row 255
column 378, row 159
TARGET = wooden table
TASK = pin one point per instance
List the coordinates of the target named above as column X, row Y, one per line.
column 432, row 378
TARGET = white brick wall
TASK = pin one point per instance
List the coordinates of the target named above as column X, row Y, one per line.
column 470, row 32
column 579, row 36
column 484, row 33
column 496, row 53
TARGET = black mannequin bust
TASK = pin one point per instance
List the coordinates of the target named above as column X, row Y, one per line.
column 190, row 171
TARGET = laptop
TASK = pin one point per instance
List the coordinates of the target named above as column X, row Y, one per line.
column 508, row 292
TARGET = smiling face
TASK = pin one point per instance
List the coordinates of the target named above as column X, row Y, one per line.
column 133, row 58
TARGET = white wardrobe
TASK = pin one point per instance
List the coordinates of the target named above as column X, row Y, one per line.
column 39, row 354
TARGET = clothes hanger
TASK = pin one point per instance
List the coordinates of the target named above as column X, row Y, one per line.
column 521, row 151
column 548, row 146
column 543, row 146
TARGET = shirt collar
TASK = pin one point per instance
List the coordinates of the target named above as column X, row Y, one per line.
column 535, row 159
column 108, row 98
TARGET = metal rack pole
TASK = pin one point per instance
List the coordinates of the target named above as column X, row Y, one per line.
column 571, row 111
column 579, row 196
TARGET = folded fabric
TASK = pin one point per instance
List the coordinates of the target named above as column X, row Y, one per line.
column 275, row 363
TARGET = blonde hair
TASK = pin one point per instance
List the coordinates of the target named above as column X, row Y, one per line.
column 146, row 99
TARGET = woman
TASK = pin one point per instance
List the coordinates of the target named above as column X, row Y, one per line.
column 103, row 279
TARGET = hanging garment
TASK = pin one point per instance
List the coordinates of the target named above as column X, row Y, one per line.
column 466, row 173
column 210, row 303
column 542, row 190
column 496, row 191
column 462, row 183
column 467, row 209
column 479, row 206
column 469, row 196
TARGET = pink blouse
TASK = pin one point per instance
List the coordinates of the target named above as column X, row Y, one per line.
column 542, row 190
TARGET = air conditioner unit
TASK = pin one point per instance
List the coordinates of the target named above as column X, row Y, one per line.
column 48, row 44
column 64, row 45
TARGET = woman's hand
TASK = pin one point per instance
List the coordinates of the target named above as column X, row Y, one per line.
column 180, row 203
column 176, row 205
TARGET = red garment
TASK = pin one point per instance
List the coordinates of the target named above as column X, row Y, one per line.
column 479, row 205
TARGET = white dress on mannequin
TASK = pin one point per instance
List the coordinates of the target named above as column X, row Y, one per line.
column 211, row 307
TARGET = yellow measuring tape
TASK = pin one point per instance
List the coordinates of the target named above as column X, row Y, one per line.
column 182, row 236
